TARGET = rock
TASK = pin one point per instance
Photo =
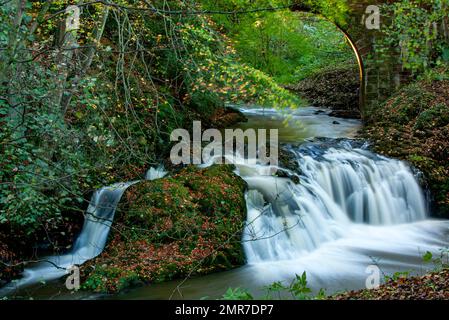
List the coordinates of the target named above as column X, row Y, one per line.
column 335, row 122
column 187, row 224
column 226, row 117
column 413, row 125
column 285, row 174
column 345, row 114
column 287, row 159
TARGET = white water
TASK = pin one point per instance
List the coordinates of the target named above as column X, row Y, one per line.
column 89, row 244
column 352, row 209
column 155, row 173
column 338, row 190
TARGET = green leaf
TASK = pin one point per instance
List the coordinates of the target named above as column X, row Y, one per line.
column 427, row 257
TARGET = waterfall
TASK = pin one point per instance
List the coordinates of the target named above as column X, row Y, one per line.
column 339, row 188
column 89, row 243
column 155, row 173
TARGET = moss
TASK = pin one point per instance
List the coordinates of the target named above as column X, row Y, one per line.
column 183, row 225
column 434, row 117
column 408, row 104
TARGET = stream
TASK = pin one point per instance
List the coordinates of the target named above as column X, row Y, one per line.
column 352, row 209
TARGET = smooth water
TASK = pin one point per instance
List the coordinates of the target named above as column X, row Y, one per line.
column 296, row 125
column 89, row 244
column 351, row 209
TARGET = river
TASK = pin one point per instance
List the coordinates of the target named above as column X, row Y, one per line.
column 351, row 210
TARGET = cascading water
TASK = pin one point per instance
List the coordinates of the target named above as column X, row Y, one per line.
column 90, row 242
column 338, row 187
column 155, row 173
column 351, row 209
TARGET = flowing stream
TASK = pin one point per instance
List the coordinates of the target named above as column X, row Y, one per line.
column 351, row 209
column 90, row 242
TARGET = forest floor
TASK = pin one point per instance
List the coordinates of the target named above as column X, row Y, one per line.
column 333, row 87
column 432, row 286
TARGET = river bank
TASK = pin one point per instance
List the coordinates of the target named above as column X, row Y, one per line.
column 413, row 125
column 432, row 286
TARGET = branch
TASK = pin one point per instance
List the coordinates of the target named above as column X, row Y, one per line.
column 152, row 9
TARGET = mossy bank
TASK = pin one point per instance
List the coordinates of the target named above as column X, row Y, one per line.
column 413, row 125
column 333, row 87
column 185, row 225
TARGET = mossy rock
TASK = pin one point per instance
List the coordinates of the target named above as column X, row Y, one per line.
column 408, row 104
column 187, row 224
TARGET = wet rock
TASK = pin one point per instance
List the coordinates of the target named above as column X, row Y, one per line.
column 285, row 174
column 287, row 159
column 345, row 114
column 226, row 117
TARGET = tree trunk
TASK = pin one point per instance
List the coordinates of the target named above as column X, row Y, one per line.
column 12, row 70
column 98, row 34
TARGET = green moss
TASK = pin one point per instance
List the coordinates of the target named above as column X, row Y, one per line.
column 190, row 223
column 409, row 103
column 99, row 279
column 435, row 116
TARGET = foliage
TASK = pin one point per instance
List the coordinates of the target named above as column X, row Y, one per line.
column 432, row 286
column 413, row 125
column 297, row 290
column 418, row 32
column 39, row 152
column 440, row 262
column 75, row 118
column 287, row 45
column 237, row 294
column 434, row 117
column 334, row 87
column 222, row 73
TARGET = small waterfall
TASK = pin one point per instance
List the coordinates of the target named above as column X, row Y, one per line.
column 367, row 187
column 339, row 188
column 90, row 242
column 88, row 245
column 99, row 217
column 155, row 173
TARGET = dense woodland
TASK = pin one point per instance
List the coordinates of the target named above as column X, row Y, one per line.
column 93, row 106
